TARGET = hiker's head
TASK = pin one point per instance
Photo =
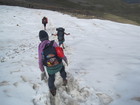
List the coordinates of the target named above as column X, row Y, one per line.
column 43, row 35
column 60, row 29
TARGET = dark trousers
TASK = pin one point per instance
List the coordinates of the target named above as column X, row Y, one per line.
column 61, row 42
column 52, row 78
column 44, row 24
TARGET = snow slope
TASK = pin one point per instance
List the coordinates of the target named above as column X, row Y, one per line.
column 104, row 60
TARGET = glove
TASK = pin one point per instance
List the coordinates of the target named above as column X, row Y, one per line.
column 43, row 76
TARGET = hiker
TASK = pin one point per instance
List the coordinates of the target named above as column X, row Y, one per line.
column 60, row 35
column 44, row 22
column 51, row 57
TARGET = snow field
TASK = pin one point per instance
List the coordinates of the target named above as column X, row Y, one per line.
column 103, row 60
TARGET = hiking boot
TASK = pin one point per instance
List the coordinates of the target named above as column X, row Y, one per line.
column 65, row 82
column 53, row 92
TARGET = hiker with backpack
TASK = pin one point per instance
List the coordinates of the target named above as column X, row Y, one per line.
column 51, row 56
column 44, row 22
column 60, row 35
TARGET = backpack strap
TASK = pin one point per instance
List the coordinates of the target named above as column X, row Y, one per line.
column 51, row 43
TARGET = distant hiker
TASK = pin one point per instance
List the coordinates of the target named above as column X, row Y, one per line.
column 51, row 56
column 60, row 35
column 44, row 22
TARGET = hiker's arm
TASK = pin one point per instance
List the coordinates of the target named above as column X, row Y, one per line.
column 40, row 60
column 46, row 20
column 67, row 33
column 41, row 66
column 54, row 34
column 65, row 59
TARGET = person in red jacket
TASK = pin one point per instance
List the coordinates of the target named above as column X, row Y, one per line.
column 44, row 22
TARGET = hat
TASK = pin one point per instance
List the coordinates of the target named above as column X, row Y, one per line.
column 60, row 29
column 43, row 35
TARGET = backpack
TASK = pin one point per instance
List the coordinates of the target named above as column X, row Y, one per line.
column 44, row 20
column 50, row 57
column 60, row 33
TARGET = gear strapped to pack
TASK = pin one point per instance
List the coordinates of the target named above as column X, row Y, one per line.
column 50, row 57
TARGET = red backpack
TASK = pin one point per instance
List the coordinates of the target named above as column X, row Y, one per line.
column 59, row 52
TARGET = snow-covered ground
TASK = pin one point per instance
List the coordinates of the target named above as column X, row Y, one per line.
column 104, row 60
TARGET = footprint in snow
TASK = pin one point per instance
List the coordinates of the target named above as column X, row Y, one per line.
column 104, row 98
column 4, row 83
column 72, row 94
column 35, row 87
column 15, row 84
column 24, row 78
column 136, row 99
